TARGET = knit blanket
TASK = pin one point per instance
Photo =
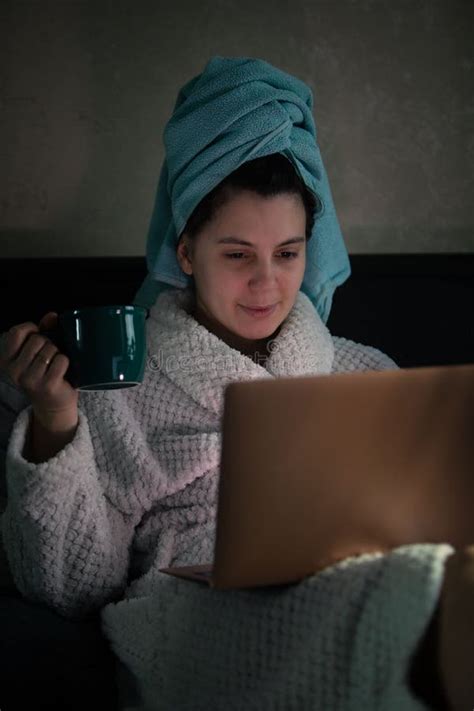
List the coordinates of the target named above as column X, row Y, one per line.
column 340, row 640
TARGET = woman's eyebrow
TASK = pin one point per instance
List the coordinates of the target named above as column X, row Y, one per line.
column 236, row 240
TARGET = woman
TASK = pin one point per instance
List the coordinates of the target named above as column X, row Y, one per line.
column 107, row 488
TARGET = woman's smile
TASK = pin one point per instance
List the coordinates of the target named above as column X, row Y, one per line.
column 259, row 312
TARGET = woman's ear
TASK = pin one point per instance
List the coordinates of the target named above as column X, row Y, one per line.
column 184, row 254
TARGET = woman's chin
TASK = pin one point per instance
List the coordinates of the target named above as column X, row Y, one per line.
column 257, row 332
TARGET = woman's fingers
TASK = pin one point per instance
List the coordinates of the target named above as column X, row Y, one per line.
column 33, row 363
column 53, row 372
column 37, row 367
column 25, row 354
column 31, row 359
column 13, row 339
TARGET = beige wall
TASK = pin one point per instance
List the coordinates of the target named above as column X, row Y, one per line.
column 87, row 87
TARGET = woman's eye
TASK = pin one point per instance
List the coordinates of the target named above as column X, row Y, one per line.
column 282, row 255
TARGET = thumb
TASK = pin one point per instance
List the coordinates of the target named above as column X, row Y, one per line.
column 48, row 320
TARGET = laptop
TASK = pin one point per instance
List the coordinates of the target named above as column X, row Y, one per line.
column 315, row 469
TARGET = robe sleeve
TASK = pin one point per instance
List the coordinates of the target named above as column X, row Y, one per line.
column 67, row 542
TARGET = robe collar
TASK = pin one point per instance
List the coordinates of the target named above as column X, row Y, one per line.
column 202, row 365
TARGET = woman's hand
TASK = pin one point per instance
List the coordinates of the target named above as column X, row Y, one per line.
column 456, row 630
column 35, row 365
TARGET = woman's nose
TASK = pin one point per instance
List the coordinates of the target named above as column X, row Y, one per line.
column 262, row 274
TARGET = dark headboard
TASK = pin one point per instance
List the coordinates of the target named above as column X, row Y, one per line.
column 415, row 307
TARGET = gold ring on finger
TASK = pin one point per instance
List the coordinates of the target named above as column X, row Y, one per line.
column 46, row 361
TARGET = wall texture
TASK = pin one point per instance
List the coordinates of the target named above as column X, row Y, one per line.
column 87, row 87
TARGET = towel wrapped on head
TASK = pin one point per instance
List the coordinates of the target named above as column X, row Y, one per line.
column 238, row 109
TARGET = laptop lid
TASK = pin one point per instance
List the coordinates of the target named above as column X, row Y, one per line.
column 315, row 469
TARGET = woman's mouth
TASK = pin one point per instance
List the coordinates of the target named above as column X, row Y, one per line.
column 259, row 311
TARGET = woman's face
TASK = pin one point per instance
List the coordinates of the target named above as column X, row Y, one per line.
column 251, row 255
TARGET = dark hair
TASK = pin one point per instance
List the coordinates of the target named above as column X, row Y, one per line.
column 267, row 176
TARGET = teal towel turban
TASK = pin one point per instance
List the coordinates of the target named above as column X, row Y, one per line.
column 239, row 109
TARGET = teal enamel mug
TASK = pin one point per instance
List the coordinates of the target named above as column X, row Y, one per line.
column 106, row 345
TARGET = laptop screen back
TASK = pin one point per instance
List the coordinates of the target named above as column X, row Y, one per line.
column 315, row 469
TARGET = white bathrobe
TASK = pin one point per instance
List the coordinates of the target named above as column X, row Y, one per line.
column 136, row 490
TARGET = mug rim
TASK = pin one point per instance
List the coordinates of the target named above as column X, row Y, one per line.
column 122, row 385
